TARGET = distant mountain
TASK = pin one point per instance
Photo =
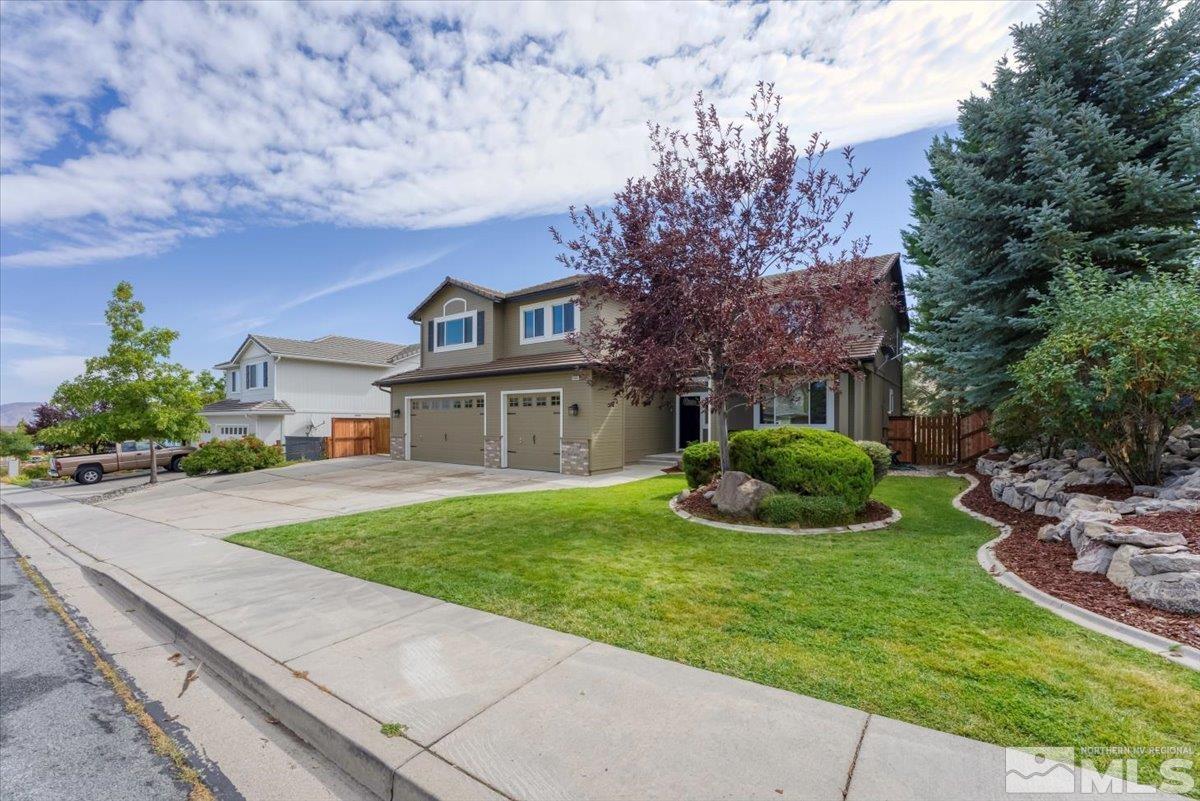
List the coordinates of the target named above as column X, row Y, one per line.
column 13, row 413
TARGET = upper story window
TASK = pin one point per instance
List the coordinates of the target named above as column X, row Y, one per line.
column 233, row 375
column 454, row 331
column 542, row 322
column 810, row 405
column 251, row 376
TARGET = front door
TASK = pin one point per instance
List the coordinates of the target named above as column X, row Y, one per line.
column 532, row 425
column 689, row 421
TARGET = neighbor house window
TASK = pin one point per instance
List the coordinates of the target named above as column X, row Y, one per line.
column 251, row 376
column 233, row 381
column 234, row 431
column 548, row 321
column 264, row 371
column 455, row 331
column 811, row 405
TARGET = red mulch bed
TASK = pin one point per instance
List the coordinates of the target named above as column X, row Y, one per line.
column 1022, row 470
column 995, row 457
column 1047, row 566
column 700, row 506
column 1188, row 523
column 1114, row 492
column 673, row 469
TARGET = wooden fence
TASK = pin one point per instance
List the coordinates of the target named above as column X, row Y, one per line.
column 358, row 436
column 939, row 439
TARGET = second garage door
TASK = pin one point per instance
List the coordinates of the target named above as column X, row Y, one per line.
column 532, row 430
column 446, row 429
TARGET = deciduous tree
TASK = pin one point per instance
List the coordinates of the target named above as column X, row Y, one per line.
column 723, row 264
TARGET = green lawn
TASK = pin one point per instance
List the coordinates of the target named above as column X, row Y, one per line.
column 901, row 622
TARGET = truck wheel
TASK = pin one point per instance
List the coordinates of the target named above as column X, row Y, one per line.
column 175, row 468
column 89, row 474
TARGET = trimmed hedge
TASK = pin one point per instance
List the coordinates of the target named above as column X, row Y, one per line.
column 231, row 456
column 879, row 454
column 807, row 461
column 809, row 511
column 701, row 461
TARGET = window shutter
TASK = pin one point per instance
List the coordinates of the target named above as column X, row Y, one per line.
column 479, row 327
column 429, row 337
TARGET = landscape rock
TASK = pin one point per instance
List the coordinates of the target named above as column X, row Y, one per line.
column 739, row 494
column 1119, row 572
column 1094, row 557
column 1147, row 563
column 684, row 494
column 1091, row 464
column 1129, row 535
column 1172, row 592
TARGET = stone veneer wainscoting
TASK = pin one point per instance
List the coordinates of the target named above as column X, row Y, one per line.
column 575, row 453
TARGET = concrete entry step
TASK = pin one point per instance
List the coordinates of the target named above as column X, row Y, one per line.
column 664, row 459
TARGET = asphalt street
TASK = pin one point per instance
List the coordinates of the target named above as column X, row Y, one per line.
column 63, row 731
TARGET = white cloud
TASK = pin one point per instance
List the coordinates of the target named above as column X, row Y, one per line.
column 239, row 324
column 423, row 115
column 15, row 331
column 41, row 374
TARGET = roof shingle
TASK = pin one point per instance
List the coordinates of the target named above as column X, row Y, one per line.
column 335, row 348
column 563, row 360
column 231, row 405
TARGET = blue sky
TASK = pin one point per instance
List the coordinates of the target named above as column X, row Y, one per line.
column 302, row 170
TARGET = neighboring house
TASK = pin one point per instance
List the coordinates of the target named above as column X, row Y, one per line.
column 277, row 388
column 499, row 386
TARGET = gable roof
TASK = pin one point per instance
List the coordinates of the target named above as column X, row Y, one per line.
column 234, row 406
column 882, row 264
column 331, row 348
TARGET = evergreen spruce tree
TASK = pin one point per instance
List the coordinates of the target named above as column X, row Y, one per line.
column 1086, row 146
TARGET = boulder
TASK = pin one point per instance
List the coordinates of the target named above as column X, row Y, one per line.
column 1129, row 535
column 1172, row 592
column 1091, row 464
column 1094, row 557
column 1053, row 532
column 1152, row 563
column 739, row 494
column 684, row 494
column 1119, row 572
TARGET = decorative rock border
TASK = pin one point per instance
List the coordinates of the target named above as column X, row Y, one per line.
column 1176, row 652
column 894, row 517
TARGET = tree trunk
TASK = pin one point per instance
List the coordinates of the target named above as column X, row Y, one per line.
column 720, row 429
column 153, row 463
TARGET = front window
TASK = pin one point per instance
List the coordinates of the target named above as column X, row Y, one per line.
column 548, row 321
column 454, row 332
column 809, row 405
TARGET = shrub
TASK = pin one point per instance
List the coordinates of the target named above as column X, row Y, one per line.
column 1119, row 366
column 879, row 454
column 36, row 471
column 814, row 511
column 1019, row 425
column 808, row 461
column 701, row 461
column 232, row 456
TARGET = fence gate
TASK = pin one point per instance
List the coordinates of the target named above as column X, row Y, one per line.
column 939, row 439
column 356, row 436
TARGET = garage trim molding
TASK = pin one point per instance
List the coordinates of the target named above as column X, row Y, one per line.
column 408, row 408
column 504, row 420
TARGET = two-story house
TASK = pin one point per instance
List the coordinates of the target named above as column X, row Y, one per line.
column 276, row 388
column 499, row 386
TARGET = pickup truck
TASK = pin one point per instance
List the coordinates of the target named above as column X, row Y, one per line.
column 90, row 468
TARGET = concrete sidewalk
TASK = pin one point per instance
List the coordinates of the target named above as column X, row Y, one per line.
column 492, row 706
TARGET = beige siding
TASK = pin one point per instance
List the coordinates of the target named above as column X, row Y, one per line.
column 648, row 429
column 510, row 339
column 458, row 358
column 608, row 443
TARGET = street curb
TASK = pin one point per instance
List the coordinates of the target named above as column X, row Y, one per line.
column 347, row 737
column 1174, row 652
column 894, row 517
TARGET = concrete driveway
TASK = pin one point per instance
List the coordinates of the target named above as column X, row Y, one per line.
column 222, row 505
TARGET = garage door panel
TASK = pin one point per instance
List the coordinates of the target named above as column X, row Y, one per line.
column 533, row 426
column 446, row 429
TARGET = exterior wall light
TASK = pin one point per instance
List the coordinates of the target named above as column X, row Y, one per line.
column 573, row 410
column 396, row 413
